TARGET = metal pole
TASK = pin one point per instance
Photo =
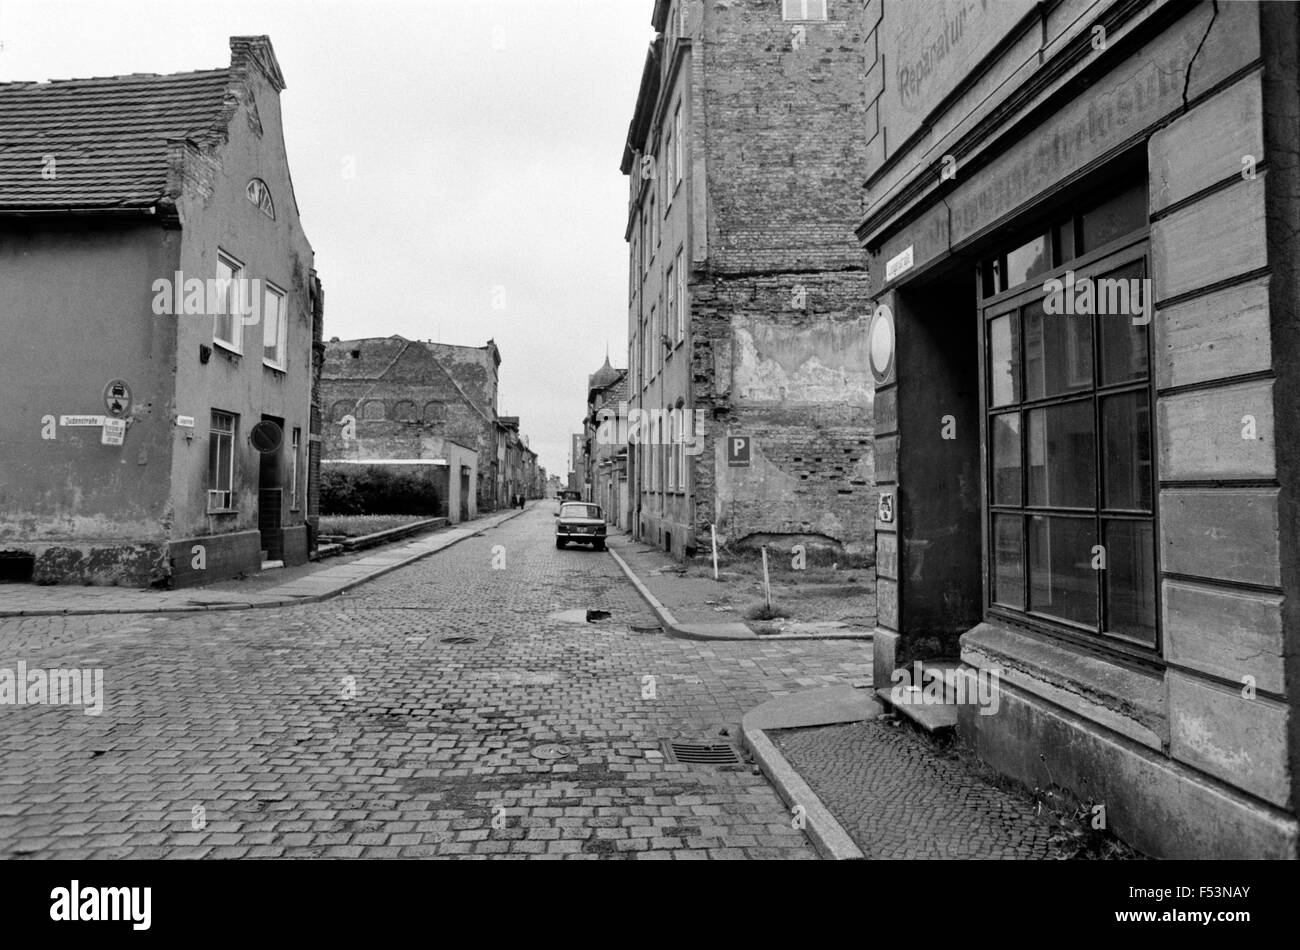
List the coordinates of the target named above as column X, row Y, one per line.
column 713, row 530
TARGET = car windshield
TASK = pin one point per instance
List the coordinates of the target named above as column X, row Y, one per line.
column 580, row 511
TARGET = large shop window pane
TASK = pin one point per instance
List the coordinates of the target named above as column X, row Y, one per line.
column 1120, row 296
column 1027, row 262
column 1126, row 451
column 1058, row 352
column 1062, row 467
column 1125, row 212
column 1062, row 582
column 1009, row 561
column 1004, row 360
column 1006, row 459
column 1131, row 580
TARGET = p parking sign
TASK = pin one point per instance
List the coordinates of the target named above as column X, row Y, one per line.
column 738, row 451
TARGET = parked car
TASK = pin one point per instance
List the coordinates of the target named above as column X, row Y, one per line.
column 581, row 523
column 570, row 494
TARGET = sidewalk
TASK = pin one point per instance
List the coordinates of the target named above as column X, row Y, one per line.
column 691, row 604
column 305, row 584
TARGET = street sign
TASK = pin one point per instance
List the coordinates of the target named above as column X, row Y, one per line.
column 738, row 451
column 117, row 398
column 114, row 432
column 885, row 508
column 81, row 420
column 186, row 422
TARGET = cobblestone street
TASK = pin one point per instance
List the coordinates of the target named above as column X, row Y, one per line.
column 350, row 728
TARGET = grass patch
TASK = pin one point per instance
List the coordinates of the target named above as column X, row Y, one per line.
column 356, row 526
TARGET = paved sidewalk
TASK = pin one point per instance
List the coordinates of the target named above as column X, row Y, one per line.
column 306, row 585
column 697, row 607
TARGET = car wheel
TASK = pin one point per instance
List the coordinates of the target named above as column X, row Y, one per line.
column 559, row 544
column 599, row 545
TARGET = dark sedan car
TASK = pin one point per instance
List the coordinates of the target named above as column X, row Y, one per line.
column 581, row 523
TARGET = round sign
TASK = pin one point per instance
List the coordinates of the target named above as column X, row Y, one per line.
column 266, row 437
column 117, row 398
column 880, row 340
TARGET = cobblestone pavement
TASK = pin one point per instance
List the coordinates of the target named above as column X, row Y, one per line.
column 351, row 729
column 898, row 799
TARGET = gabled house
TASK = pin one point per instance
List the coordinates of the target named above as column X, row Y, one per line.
column 158, row 304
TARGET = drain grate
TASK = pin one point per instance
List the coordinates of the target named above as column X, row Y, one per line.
column 459, row 640
column 693, row 752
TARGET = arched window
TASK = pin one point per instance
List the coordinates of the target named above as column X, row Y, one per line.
column 341, row 408
column 373, row 411
column 260, row 195
column 433, row 412
column 404, row 411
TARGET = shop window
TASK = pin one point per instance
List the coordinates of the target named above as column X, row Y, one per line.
column 1070, row 483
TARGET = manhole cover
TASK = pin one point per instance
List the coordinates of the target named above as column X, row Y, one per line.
column 459, row 640
column 691, row 752
column 550, row 751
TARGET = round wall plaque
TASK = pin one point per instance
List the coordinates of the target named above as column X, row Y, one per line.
column 880, row 342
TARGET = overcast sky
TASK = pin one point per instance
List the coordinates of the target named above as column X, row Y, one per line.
column 485, row 136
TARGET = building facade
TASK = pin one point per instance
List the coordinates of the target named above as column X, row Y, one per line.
column 745, row 159
column 1082, row 217
column 160, row 306
column 390, row 397
column 605, row 443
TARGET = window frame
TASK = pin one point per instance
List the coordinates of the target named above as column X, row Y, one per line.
column 787, row 5
column 234, row 292
column 230, row 434
column 296, row 447
column 282, row 328
column 1116, row 254
column 680, row 269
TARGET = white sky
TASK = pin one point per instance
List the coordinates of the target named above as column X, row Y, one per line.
column 476, row 167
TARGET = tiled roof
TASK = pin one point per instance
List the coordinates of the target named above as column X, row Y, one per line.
column 108, row 137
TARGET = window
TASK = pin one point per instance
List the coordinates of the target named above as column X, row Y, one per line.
column 679, row 159
column 652, row 342
column 654, row 228
column 275, row 329
column 221, row 460
column 373, row 410
column 803, row 10
column 688, row 436
column 1070, row 480
column 260, row 195
column 296, row 445
column 670, row 311
column 673, row 436
column 227, row 326
column 670, row 172
column 645, row 350
column 680, row 270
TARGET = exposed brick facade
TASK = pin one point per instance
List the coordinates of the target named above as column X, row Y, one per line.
column 758, row 133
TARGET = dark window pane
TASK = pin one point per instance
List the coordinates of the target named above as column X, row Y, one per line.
column 1124, row 213
column 1009, row 561
column 1004, row 360
column 1126, row 451
column 1131, row 580
column 1027, row 262
column 1062, row 582
column 1062, row 469
column 1058, row 352
column 1006, row 459
column 1065, row 242
column 1121, row 296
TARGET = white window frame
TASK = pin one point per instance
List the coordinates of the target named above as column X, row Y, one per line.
column 293, row 469
column 670, row 171
column 681, row 457
column 224, row 498
column 655, row 349
column 234, row 304
column 281, row 329
column 670, row 311
column 680, row 148
column 801, row 10
column 681, row 294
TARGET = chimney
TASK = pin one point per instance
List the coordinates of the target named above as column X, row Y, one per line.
column 246, row 51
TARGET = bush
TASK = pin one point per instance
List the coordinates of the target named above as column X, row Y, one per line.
column 375, row 490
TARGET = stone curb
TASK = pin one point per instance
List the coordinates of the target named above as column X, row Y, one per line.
column 703, row 631
column 279, row 602
column 826, row 834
